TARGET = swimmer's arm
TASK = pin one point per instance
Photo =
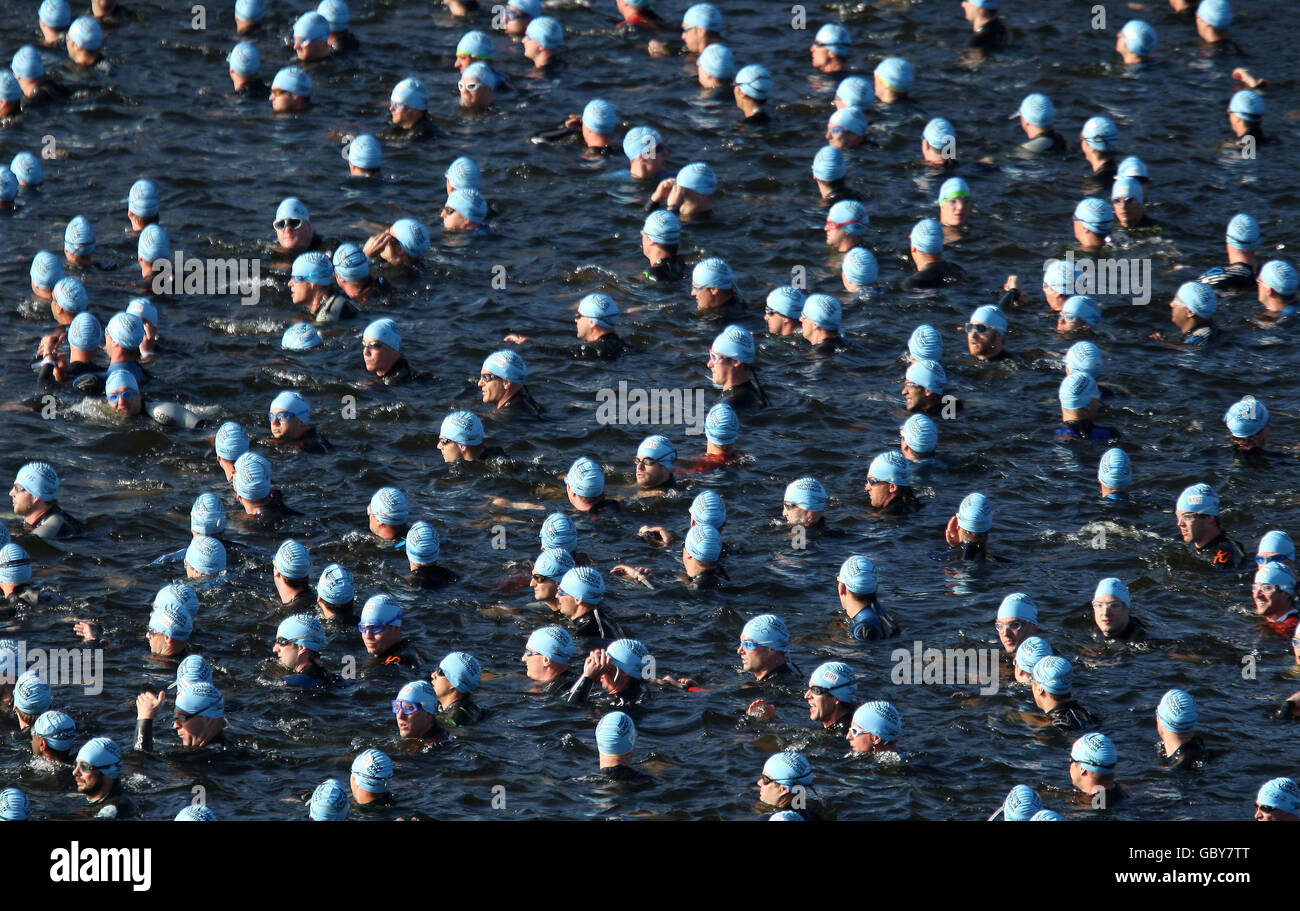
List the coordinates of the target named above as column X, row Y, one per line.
column 578, row 695
column 147, row 706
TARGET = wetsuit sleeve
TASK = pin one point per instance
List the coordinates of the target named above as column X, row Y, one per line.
column 48, row 529
column 144, row 735
column 168, row 413
column 578, row 695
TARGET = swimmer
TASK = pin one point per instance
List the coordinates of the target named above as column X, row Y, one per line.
column 859, row 270
column 454, row 680
column 243, row 64
column 16, row 576
column 646, row 152
column 918, row 440
column 352, row 272
column 336, row 594
column 654, row 465
column 298, row 642
column 311, row 286
column 34, row 497
column 288, row 416
column 1079, row 318
column 784, row 308
column 1017, row 620
column 363, row 155
column 85, row 39
column 339, row 17
column 721, row 429
column 547, row 657
column 1192, row 312
column 1080, row 400
column 1037, row 114
column 548, row 570
column 205, row 558
column 889, row 485
column 751, row 91
column 893, row 78
column 230, row 442
column 249, row 15
column 1248, row 424
column 846, row 224
column 660, row 236
column 168, row 632
column 543, row 42
column 381, row 351
column 1135, row 42
column 954, row 207
column 967, row 532
column 1276, row 547
column 846, row 128
column 820, row 323
column 37, row 87
column 620, row 668
column 97, row 773
column 615, row 742
column 1278, row 800
column 829, row 170
column 1197, row 514
column 1092, row 770
column 408, row 107
column 1092, row 221
column 689, row 195
column 830, row 49
column 830, row 695
column 415, row 708
column 986, row 333
column 596, row 124
column 460, row 438
column 1028, row 653
column 291, row 572
column 1274, row 596
column 477, row 86
column 1212, row 20
column 578, row 598
column 1051, row 687
column 502, row 382
column 52, row 737
column 585, row 486
column 786, row 775
column 857, row 586
column 924, row 344
column 1179, row 747
column 311, row 33
column 32, row 699
column 1111, row 606
column 715, row 68
column 388, row 512
column 381, row 634
column 939, row 144
column 1098, row 141
column 594, row 323
column 465, row 210
column 990, row 31
column 199, row 720
column 290, row 91
column 923, row 388
column 1276, row 289
column 153, row 246
column 731, row 365
column 294, row 233
column 401, row 245
column 54, row 17
column 926, row 248
column 875, row 728
column 371, row 772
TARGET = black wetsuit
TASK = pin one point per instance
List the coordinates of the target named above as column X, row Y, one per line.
column 1230, row 278
column 872, row 623
column 255, row 89
column 672, row 269
column 1222, row 553
column 431, row 576
column 86, row 378
column 51, row 90
column 747, row 395
column 759, row 118
column 310, row 442
column 116, row 804
column 399, row 374
column 314, row 677
column 270, row 514
column 605, row 506
column 1049, row 143
column 1105, row 175
column 1134, row 633
column 1086, row 430
column 424, row 128
column 595, row 625
column 54, row 524
column 991, row 36
column 606, row 348
column 582, row 690
column 22, row 596
column 906, row 502
column 627, row 777
column 402, row 655
column 1188, row 756
column 460, row 714
column 831, row 345
column 523, row 404
column 144, row 738
column 935, row 275
column 302, row 603
column 334, row 308
column 376, row 290
column 840, row 727
column 1071, row 716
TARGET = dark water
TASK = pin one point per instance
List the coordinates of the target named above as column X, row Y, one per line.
column 569, row 226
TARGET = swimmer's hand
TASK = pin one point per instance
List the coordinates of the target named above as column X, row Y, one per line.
column 88, row 630
column 666, row 186
column 952, row 534
column 148, row 704
column 1013, row 284
column 49, row 346
column 1156, row 337
column 655, row 534
column 1291, row 708
column 635, row 573
column 681, row 683
column 1251, row 81
column 595, row 665
column 761, row 709
column 377, row 244
column 658, row 48
column 573, row 120
column 516, row 339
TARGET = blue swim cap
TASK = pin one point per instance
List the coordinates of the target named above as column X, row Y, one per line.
column 231, row 441
column 754, row 81
column 585, row 477
column 829, row 164
column 1277, row 542
column 39, row 479
column 553, row 642
column 470, row 203
column 860, row 267
column 702, row 15
column 412, row 93
column 79, row 236
column 953, row 188
column 1280, row 793
column 55, row 13
column 1021, row 804
column 641, row 142
column 663, row 227
column 1247, row 417
column 506, row 365
column 294, row 80
column 630, row 656
column 896, row 73
column 463, row 174
column 1114, row 470
column 789, row 769
column 1177, row 712
column 1215, row 13
column 599, row 116
column 1280, row 276
column 767, row 630
column 382, row 609
column 179, row 597
column 475, row 44
column 336, row 13
column 153, row 244
column 422, row 544
column 1097, row 216
column 103, row 755
column 373, row 770
column 835, row 38
column 824, row 311
column 384, row 331
column 787, row 301
column 858, row 575
column 926, row 343
column 856, row 92
column 1061, row 275
column 615, row 734
column 892, row 468
column 292, row 207
column 920, row 434
column 143, row 308
column 70, row 294
column 244, row 59
column 142, row 200
column 14, row 805
column 850, row 216
column 1127, row 188
column 721, row 425
column 252, row 476
column 1077, row 390
column 1200, row 499
column 975, row 514
column 1054, row 674
column 547, row 32
column 713, row 273
column 388, row 505
column 991, row 316
column 718, row 61
column 553, row 563
column 27, row 63
column 928, row 374
column 850, row 120
column 698, row 176
column 463, row 428
column 58, row 729
column 1101, row 133
column 31, row 693
column 1132, row 166
column 1084, row 357
column 1030, row 651
column 659, row 448
column 119, row 379
column 311, row 26
column 806, row 493
column 292, row 560
column 837, row 677
column 202, row 699
column 1017, row 606
column 940, row 134
column 413, row 236
column 191, row 813
column 364, row 152
column 207, row 515
column 206, row 555
column 86, row 33
column 292, row 402
column 335, row 586
column 1095, row 753
column 1243, row 232
column 313, row 267
column 1198, row 298
column 350, row 263
column 462, row 671
column 736, row 343
column 304, row 629
column 1038, row 110
column 708, row 508
column 420, row 692
column 558, row 531
column 301, row 337
column 704, row 543
column 27, row 168
column 927, row 236
column 879, row 718
column 250, row 10
column 584, row 583
column 1139, row 36
column 1271, row 573
column 329, row 802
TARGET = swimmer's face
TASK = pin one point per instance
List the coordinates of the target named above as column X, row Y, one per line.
column 707, row 80
column 189, row 729
column 650, row 473
column 228, row 467
column 1270, row 600
column 1193, row 526
column 1252, row 442
column 1087, row 239
column 707, row 298
column 1012, row 632
column 1055, row 299
column 382, row 529
column 544, row 589
column 125, row 401
column 696, row 39
column 1128, row 211
column 1110, row 614
column 289, row 655
column 968, row 10
column 300, row 291
column 778, row 323
column 773, row 794
column 797, row 515
column 1077, row 775
column 293, row 234
column 462, row 62
column 404, row 115
column 877, row 491
column 955, row 211
column 381, row 641
column 89, row 781
column 1262, row 813
column 452, row 220
column 861, row 741
column 1072, row 326
column 724, row 369
column 983, row 340
column 914, row 396
column 531, row 49
column 414, row 725
column 475, row 95
column 534, row 664
column 163, row 645
column 820, row 708
column 378, row 356
column 835, row 234
column 568, row 603
column 754, row 659
column 287, row 428
column 839, row 138
column 22, row 500
column 310, row 50
column 821, row 56
column 283, row 102
column 449, row 450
